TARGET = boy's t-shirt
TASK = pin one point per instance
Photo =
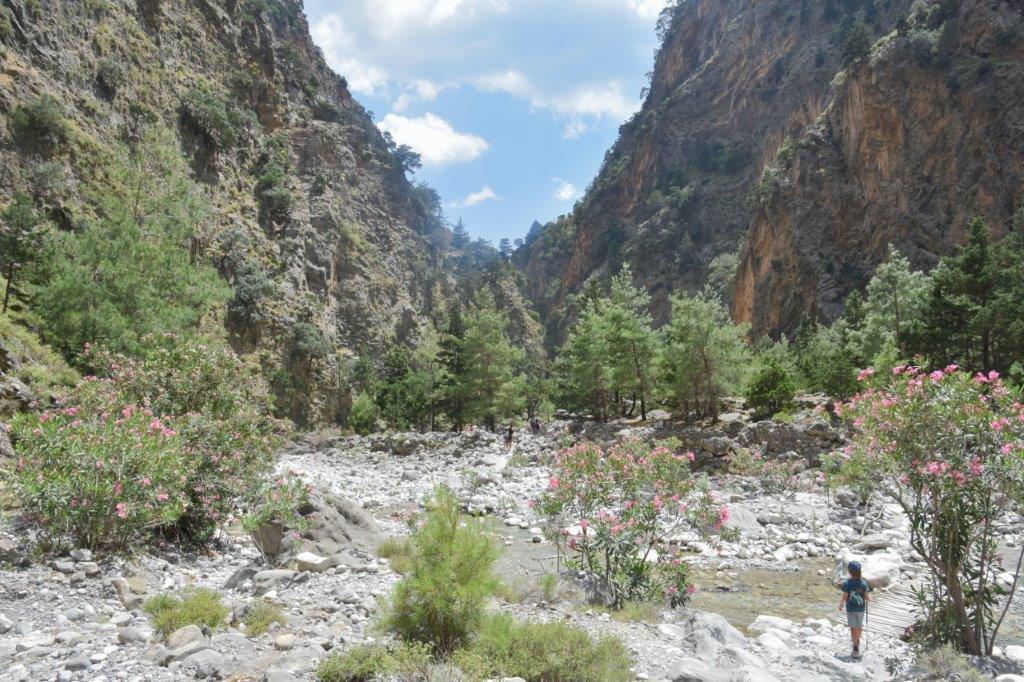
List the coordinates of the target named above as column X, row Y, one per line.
column 856, row 588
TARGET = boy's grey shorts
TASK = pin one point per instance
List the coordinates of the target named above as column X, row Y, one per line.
column 855, row 619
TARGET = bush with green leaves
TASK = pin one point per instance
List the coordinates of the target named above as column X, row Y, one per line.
column 195, row 607
column 259, row 615
column 368, row 662
column 166, row 443
column 771, row 389
column 362, row 418
column 40, row 124
column 608, row 511
column 948, row 448
column 218, row 121
column 279, row 502
column 98, row 471
column 542, row 652
column 221, row 409
column 440, row 601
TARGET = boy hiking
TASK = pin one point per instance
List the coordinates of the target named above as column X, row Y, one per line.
column 855, row 599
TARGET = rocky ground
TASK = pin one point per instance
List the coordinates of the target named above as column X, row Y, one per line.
column 78, row 617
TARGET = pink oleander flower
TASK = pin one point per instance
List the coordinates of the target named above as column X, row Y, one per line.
column 122, row 510
column 657, row 502
column 975, row 466
column 1006, row 449
column 866, row 374
column 723, row 516
column 951, row 368
column 690, row 589
column 553, row 483
column 99, row 464
column 691, row 455
column 671, row 589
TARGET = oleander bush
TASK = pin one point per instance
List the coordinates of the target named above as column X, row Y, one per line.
column 165, row 443
column 610, row 512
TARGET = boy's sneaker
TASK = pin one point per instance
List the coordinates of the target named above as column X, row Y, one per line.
column 856, row 652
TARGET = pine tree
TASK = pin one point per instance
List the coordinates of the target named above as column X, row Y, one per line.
column 974, row 313
column 491, row 360
column 704, row 355
column 631, row 343
column 21, row 239
column 455, row 397
column 582, row 366
column 892, row 311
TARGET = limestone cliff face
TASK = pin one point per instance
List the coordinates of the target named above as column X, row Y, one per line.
column 334, row 243
column 921, row 137
column 731, row 81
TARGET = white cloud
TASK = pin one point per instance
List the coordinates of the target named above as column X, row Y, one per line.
column 434, row 139
column 336, row 41
column 408, row 51
column 566, row 191
column 475, row 198
column 648, row 9
column 419, row 91
column 600, row 100
column 574, row 129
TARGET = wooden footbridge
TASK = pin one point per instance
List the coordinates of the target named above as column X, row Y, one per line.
column 891, row 612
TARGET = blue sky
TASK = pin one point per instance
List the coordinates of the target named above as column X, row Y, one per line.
column 512, row 103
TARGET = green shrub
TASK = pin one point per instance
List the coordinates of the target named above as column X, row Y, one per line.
column 110, row 76
column 275, row 197
column 197, row 607
column 542, row 652
column 40, row 124
column 221, row 410
column 260, row 615
column 363, row 417
column 771, row 389
column 219, row 122
column 441, row 601
column 398, row 552
column 96, row 471
column 367, row 662
column 324, row 110
column 252, row 288
column 945, row 663
column 165, row 443
column 279, row 502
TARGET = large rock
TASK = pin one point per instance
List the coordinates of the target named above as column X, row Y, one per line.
column 745, row 520
column 703, row 627
column 336, row 525
column 265, row 581
column 131, row 590
column 880, row 570
column 207, row 664
column 696, row 670
column 184, row 636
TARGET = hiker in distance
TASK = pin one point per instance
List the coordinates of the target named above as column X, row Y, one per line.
column 855, row 599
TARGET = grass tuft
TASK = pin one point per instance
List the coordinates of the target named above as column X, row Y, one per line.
column 260, row 615
column 198, row 607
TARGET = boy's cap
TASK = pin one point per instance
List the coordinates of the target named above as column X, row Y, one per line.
column 853, row 566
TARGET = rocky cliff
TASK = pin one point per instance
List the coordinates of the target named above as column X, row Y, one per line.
column 330, row 250
column 924, row 134
column 732, row 80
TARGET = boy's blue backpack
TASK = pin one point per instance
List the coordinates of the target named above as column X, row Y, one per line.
column 856, row 599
